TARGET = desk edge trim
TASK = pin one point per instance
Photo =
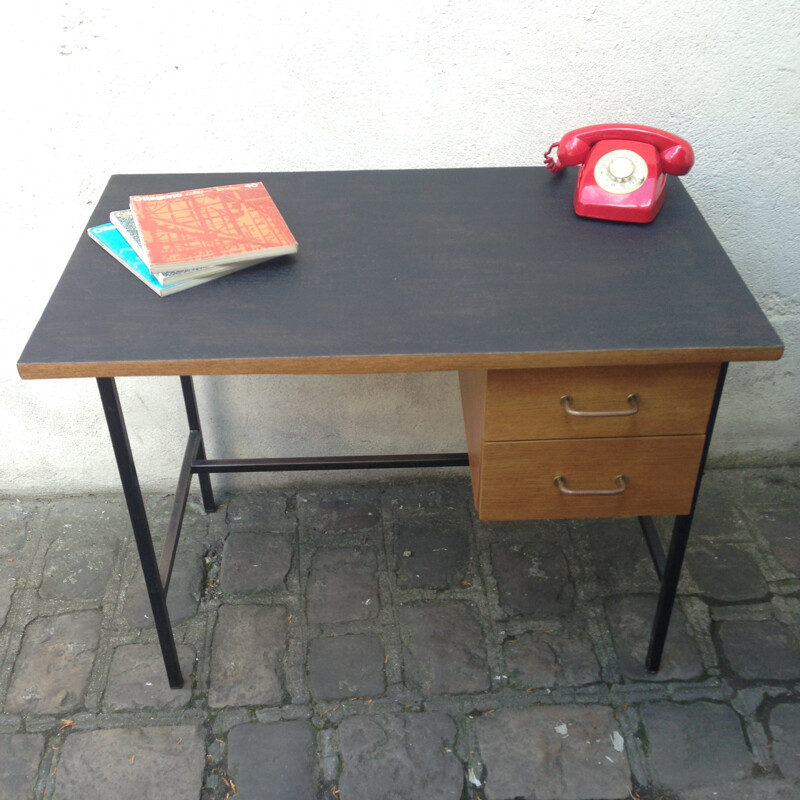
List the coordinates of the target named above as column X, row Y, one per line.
column 371, row 364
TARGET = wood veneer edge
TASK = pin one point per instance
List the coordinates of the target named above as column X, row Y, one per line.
column 370, row 364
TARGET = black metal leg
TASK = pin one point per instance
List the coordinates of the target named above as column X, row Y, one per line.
column 677, row 548
column 193, row 416
column 141, row 528
column 669, row 588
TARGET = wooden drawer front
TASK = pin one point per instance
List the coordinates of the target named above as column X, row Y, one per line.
column 517, row 478
column 526, row 404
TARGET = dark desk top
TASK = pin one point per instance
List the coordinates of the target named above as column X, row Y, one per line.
column 413, row 270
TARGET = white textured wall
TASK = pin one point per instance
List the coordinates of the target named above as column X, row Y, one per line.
column 95, row 88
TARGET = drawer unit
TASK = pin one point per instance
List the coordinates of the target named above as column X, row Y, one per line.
column 625, row 441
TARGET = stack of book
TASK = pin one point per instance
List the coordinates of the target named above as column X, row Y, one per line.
column 182, row 239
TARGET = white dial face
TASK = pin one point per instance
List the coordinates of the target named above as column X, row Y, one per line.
column 620, row 171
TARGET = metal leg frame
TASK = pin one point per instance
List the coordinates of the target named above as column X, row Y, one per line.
column 156, row 582
column 157, row 574
column 669, row 567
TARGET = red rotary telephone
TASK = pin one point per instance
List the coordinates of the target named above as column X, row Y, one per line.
column 623, row 169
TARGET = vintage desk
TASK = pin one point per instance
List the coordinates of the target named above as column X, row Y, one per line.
column 591, row 354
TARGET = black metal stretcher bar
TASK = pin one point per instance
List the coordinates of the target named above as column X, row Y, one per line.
column 206, row 466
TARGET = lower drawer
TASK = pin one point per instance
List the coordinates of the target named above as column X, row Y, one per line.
column 517, row 480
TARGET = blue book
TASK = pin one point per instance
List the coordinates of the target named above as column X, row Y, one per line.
column 114, row 243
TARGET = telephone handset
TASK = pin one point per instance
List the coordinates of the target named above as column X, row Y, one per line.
column 623, row 169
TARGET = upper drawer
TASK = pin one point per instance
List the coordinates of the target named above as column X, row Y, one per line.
column 527, row 403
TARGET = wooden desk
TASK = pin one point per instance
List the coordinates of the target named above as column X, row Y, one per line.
column 484, row 271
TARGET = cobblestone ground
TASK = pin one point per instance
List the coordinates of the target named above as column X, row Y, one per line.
column 376, row 641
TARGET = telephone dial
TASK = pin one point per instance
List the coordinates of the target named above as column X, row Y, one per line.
column 623, row 169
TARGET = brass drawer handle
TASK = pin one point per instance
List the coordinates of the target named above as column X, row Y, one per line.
column 561, row 482
column 633, row 401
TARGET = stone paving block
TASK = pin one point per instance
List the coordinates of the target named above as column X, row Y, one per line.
column 446, row 498
column 716, row 518
column 754, row 487
column 694, row 745
column 339, row 511
column 85, row 516
column 630, row 620
column 431, row 553
column 725, row 572
column 399, row 756
column 9, row 574
column 254, row 561
column 52, row 670
column 546, row 660
column 274, row 761
column 553, row 753
column 780, row 527
column 533, row 578
column 346, row 666
column 618, row 554
column 19, row 765
column 79, row 564
column 784, row 727
column 127, row 764
column 137, row 679
column 343, row 585
column 747, row 789
column 15, row 517
column 13, row 540
column 247, row 656
column 184, row 591
column 760, row 649
column 84, row 535
column 443, row 649
column 261, row 511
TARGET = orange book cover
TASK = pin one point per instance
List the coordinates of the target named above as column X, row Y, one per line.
column 215, row 225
